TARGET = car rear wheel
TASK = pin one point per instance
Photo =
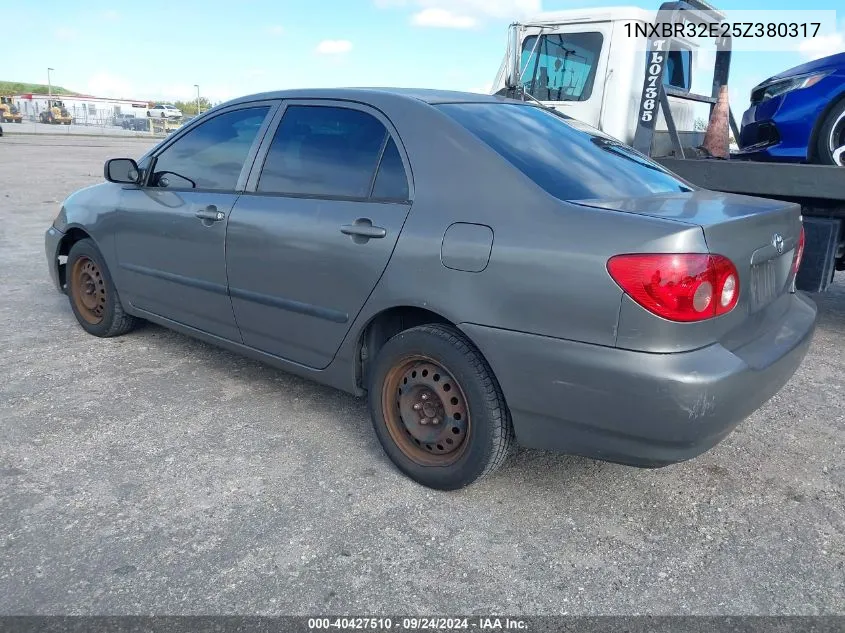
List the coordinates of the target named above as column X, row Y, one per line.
column 437, row 408
column 92, row 294
column 831, row 142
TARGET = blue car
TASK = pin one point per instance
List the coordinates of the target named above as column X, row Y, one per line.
column 798, row 115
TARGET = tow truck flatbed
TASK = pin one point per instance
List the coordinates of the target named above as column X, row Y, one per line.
column 783, row 181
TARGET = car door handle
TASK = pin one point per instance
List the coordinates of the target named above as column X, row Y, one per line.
column 363, row 228
column 210, row 213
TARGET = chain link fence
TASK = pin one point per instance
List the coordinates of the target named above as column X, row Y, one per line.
column 91, row 119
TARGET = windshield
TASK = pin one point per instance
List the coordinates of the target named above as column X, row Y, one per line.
column 569, row 160
column 560, row 67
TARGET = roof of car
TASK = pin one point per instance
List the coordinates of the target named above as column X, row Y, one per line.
column 425, row 95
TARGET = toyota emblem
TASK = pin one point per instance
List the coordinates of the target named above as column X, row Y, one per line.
column 777, row 242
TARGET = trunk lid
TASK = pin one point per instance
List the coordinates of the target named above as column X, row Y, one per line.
column 758, row 235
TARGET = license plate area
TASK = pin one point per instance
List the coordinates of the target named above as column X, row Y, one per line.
column 767, row 281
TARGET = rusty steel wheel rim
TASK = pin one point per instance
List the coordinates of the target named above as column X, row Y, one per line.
column 426, row 411
column 88, row 289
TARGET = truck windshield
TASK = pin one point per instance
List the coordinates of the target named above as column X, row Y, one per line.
column 567, row 159
column 560, row 67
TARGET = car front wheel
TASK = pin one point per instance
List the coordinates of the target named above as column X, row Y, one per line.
column 92, row 294
column 831, row 140
column 437, row 408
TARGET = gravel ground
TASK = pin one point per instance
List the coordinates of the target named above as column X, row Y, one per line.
column 156, row 474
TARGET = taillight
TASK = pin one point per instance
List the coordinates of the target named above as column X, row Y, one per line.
column 799, row 253
column 684, row 287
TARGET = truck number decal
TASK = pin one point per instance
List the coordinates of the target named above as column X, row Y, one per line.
column 653, row 73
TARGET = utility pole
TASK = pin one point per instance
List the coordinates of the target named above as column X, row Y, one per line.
column 49, row 85
column 198, row 98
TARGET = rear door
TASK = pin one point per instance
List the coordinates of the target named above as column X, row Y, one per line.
column 309, row 239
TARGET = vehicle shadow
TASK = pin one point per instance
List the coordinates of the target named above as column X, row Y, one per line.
column 347, row 417
column 350, row 417
column 831, row 304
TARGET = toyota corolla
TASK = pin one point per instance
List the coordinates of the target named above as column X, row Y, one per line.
column 487, row 272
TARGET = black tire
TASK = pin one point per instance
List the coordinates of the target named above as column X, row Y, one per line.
column 488, row 438
column 831, row 130
column 107, row 318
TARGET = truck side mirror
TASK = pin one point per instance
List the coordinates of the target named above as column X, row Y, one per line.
column 512, row 71
column 122, row 171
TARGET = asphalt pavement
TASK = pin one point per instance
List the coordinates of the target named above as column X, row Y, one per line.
column 152, row 473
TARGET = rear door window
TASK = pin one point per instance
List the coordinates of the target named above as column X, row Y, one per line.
column 324, row 151
column 569, row 160
column 391, row 181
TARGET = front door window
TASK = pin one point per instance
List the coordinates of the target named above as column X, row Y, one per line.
column 212, row 155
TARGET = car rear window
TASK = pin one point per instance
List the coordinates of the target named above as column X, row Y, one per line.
column 569, row 160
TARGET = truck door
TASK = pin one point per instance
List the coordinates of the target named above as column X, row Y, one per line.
column 566, row 67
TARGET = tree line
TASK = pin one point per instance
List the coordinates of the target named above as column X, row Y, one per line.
column 189, row 108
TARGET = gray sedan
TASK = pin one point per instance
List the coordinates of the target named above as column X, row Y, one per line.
column 487, row 272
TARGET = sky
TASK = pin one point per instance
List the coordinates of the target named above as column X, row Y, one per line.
column 159, row 51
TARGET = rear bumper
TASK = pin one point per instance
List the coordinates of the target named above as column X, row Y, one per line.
column 51, row 245
column 636, row 408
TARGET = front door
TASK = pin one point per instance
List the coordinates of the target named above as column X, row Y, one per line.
column 309, row 240
column 171, row 240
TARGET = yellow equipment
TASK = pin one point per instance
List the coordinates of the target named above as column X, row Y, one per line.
column 163, row 126
column 9, row 112
column 56, row 112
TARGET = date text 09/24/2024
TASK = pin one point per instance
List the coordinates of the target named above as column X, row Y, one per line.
column 418, row 624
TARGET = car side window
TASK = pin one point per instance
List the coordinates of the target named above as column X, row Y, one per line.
column 323, row 151
column 391, row 180
column 212, row 155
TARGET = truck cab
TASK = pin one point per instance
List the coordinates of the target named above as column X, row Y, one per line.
column 590, row 63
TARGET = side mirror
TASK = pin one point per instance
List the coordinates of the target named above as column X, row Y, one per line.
column 122, row 170
column 512, row 70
